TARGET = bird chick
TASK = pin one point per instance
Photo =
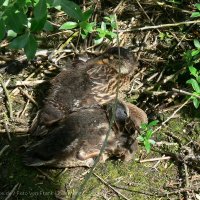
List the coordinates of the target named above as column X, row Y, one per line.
column 78, row 139
column 128, row 119
column 85, row 84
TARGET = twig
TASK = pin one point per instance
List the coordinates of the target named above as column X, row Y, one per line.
column 30, row 83
column 144, row 41
column 146, row 14
column 25, row 107
column 160, row 26
column 169, row 108
column 186, row 93
column 157, row 163
column 108, row 185
column 161, row 74
column 46, row 175
column 3, row 149
column 16, row 130
column 158, row 144
column 161, row 4
column 140, row 192
column 7, row 129
column 8, row 98
column 181, row 190
column 186, row 179
column 12, row 191
column 174, row 113
column 154, row 60
column 16, row 90
column 155, row 159
column 153, row 76
column 28, row 96
column 118, row 6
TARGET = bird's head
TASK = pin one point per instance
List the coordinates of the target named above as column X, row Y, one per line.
column 117, row 58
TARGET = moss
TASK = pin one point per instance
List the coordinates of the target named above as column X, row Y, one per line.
column 31, row 184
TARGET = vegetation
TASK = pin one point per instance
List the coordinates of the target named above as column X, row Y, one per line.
column 165, row 36
column 146, row 135
column 192, row 58
column 22, row 20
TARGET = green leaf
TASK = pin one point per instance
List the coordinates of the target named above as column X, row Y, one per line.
column 84, row 34
column 103, row 26
column 87, row 27
column 140, row 138
column 40, row 10
column 195, row 52
column 87, row 14
column 193, row 70
column 197, row 5
column 1, row 2
column 6, row 3
column 101, row 33
column 147, row 145
column 153, row 123
column 149, row 134
column 195, row 14
column 198, row 79
column 196, row 102
column 21, row 3
column 40, row 16
column 15, row 20
column 196, row 43
column 11, row 33
column 152, row 141
column 194, row 84
column 111, row 34
column 98, row 41
column 113, row 21
column 69, row 25
column 70, row 8
column 107, row 18
column 144, row 126
column 28, row 2
column 48, row 26
column 19, row 42
column 38, row 25
column 188, row 56
column 31, row 47
column 49, row 3
column 2, row 29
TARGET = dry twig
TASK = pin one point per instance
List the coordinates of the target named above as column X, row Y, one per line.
column 12, row 191
column 155, row 159
column 160, row 26
column 108, row 185
column 45, row 174
column 185, row 93
column 170, row 117
column 8, row 98
column 3, row 149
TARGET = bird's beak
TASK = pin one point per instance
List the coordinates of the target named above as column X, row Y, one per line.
column 100, row 60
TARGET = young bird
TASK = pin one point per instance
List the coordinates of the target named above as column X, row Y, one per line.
column 77, row 140
column 85, row 84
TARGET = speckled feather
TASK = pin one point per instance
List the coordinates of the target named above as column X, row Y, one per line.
column 77, row 139
column 85, row 84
